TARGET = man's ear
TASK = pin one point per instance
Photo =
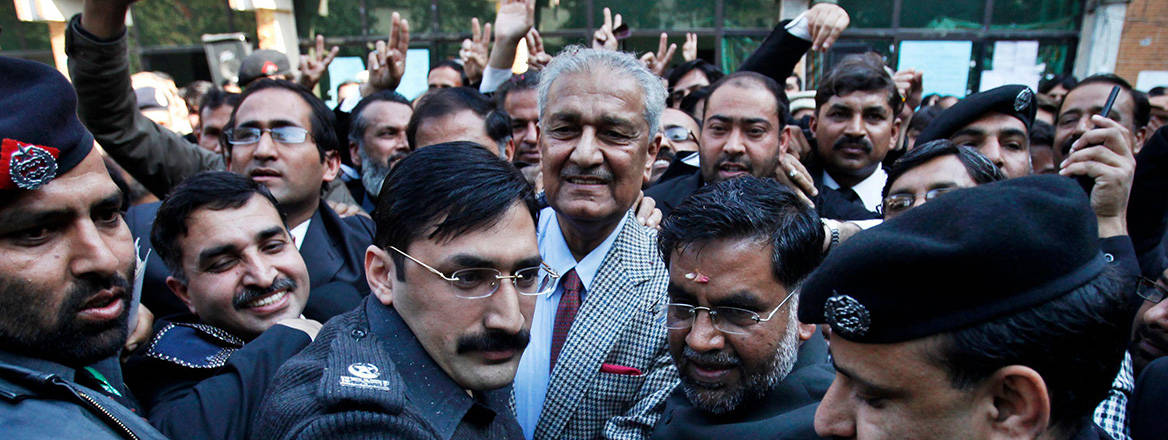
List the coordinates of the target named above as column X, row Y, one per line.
column 355, row 154
column 651, row 156
column 509, row 150
column 1019, row 406
column 332, row 166
column 785, row 139
column 380, row 273
column 806, row 331
column 179, row 289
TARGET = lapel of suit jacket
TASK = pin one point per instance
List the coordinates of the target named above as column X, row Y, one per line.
column 608, row 305
column 319, row 254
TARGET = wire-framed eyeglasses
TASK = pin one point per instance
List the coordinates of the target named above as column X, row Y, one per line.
column 482, row 282
column 732, row 320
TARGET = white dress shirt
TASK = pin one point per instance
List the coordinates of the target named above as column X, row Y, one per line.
column 870, row 190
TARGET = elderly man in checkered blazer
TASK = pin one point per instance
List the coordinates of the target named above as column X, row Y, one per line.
column 597, row 365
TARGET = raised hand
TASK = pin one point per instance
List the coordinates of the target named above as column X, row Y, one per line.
column 387, row 62
column 537, row 58
column 826, row 21
column 475, row 49
column 689, row 50
column 657, row 62
column 604, row 38
column 1104, row 154
column 313, row 65
column 512, row 23
column 910, row 85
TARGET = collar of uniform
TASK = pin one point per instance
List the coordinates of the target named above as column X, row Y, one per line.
column 555, row 252
column 870, row 189
column 443, row 403
column 38, row 365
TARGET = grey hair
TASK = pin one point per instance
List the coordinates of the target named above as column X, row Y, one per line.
column 577, row 59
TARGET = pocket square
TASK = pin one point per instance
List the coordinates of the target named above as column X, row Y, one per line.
column 620, row 369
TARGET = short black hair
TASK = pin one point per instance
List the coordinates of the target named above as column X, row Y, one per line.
column 749, row 208
column 358, row 125
column 1041, row 133
column 324, row 122
column 214, row 190
column 1157, row 91
column 748, row 79
column 1076, row 342
column 441, row 102
column 216, row 98
column 980, row 169
column 457, row 68
column 712, row 72
column 1068, row 82
column 528, row 80
column 444, row 190
column 1142, row 109
column 858, row 73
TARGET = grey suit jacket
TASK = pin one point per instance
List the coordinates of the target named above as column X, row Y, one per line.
column 618, row 324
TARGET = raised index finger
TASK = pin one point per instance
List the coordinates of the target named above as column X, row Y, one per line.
column 476, row 32
column 607, row 18
column 661, row 45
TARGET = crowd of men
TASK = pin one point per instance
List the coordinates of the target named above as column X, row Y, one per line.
column 603, row 246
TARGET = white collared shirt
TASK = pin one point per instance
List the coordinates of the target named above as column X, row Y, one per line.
column 534, row 373
column 870, row 190
column 298, row 233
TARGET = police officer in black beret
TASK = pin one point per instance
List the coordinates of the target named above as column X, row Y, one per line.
column 996, row 122
column 987, row 312
column 68, row 259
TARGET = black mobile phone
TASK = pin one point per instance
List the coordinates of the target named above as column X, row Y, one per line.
column 1086, row 181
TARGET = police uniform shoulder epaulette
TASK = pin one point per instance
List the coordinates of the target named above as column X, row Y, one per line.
column 193, row 345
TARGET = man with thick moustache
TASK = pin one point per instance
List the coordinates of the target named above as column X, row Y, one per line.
column 431, row 353
column 68, row 259
column 855, row 125
column 738, row 251
column 597, row 365
column 280, row 135
column 1025, row 346
column 233, row 264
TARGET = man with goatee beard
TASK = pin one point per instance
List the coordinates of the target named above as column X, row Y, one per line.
column 233, row 264
column 66, row 258
column 377, row 141
column 737, row 252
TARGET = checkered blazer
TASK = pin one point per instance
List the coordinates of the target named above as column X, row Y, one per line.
column 619, row 324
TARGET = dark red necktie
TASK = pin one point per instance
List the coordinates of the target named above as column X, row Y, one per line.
column 565, row 314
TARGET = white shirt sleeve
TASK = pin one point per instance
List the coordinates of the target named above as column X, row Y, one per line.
column 798, row 27
column 493, row 78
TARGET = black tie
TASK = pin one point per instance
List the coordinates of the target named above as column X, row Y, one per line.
column 850, row 195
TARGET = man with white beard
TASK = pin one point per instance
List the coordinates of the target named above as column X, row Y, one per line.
column 737, row 252
column 377, row 141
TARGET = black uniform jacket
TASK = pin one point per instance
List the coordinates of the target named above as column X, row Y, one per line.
column 333, row 251
column 787, row 411
column 366, row 376
column 198, row 381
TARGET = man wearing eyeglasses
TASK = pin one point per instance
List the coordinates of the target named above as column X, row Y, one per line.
column 280, row 136
column 679, row 140
column 431, row 354
column 932, row 169
column 737, row 252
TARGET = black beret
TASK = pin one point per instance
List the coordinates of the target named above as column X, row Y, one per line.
column 1013, row 100
column 967, row 257
column 40, row 135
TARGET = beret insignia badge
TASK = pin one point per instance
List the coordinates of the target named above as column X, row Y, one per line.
column 847, row 316
column 27, row 166
column 1023, row 100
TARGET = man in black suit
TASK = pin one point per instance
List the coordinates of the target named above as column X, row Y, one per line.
column 738, row 251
